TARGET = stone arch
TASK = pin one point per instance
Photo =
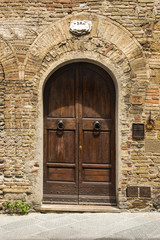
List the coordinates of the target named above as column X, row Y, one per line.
column 103, row 28
column 8, row 60
column 50, row 64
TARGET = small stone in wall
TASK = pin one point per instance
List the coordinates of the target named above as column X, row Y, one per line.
column 156, row 201
column 158, row 135
column 136, row 100
column 157, row 125
column 139, row 204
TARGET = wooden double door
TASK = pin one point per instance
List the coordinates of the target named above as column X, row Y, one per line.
column 79, row 136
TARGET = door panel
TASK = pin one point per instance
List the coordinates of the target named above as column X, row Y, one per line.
column 96, row 99
column 62, row 105
column 96, row 147
column 79, row 157
column 88, row 124
column 60, row 134
column 59, row 150
column 61, row 174
column 96, row 175
column 96, row 158
column 69, row 123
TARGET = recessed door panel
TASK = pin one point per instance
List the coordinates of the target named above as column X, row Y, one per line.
column 61, row 174
column 96, row 147
column 61, row 99
column 95, row 95
column 59, row 146
column 96, row 175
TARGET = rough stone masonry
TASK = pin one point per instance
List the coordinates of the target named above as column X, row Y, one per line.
column 35, row 40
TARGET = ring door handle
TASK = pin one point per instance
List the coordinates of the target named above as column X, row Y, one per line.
column 60, row 125
column 97, row 125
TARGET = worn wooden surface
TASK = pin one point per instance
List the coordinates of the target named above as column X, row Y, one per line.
column 80, row 208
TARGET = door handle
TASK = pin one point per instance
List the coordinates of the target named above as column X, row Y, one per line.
column 60, row 125
column 97, row 125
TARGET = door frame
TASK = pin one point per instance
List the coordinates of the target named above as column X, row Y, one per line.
column 116, row 77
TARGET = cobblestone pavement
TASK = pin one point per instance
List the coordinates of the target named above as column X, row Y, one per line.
column 85, row 226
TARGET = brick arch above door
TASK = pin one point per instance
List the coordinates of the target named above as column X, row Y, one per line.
column 8, row 60
column 102, row 28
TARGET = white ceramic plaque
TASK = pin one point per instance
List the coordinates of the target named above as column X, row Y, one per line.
column 80, row 27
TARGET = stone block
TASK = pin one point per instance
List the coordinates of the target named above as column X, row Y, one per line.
column 156, row 76
column 136, row 100
column 157, row 125
column 156, row 201
column 158, row 135
column 139, row 204
column 152, row 146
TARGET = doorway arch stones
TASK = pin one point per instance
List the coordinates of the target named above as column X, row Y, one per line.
column 110, row 46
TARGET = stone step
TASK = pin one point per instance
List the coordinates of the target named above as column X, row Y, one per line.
column 78, row 208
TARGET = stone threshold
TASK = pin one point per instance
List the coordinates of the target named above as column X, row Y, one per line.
column 50, row 208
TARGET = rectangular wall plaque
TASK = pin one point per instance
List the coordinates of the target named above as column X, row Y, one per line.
column 136, row 100
column 145, row 192
column 152, row 145
column 138, row 131
column 132, row 191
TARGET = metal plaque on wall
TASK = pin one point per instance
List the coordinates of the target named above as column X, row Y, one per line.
column 138, row 131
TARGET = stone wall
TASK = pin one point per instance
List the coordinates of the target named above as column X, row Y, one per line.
column 34, row 41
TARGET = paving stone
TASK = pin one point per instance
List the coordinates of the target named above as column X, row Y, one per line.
column 58, row 222
column 6, row 219
column 24, row 232
column 49, row 216
column 82, row 226
column 19, row 224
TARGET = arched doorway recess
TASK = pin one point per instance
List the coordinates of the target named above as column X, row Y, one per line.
column 79, row 136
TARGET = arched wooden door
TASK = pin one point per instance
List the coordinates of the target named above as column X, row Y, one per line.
column 79, row 136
